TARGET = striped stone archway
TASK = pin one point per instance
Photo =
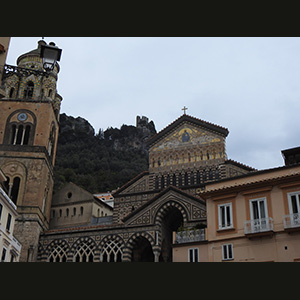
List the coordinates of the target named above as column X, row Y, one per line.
column 128, row 250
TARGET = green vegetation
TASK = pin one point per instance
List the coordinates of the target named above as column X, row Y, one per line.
column 101, row 162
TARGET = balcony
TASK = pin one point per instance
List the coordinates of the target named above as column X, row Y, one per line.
column 291, row 222
column 258, row 227
column 190, row 236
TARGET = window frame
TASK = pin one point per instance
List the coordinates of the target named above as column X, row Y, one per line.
column 289, row 196
column 227, row 247
column 251, row 201
column 220, row 215
column 193, row 257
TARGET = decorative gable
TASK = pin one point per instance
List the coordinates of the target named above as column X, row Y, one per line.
column 192, row 209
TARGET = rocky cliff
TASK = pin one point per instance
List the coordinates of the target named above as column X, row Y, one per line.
column 100, row 162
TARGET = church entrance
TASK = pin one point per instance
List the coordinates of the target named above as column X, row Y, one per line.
column 171, row 221
column 142, row 251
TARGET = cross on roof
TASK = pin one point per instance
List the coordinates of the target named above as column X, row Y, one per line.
column 184, row 109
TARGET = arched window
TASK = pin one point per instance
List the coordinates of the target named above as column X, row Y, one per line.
column 156, row 183
column 28, row 91
column 81, row 210
column 174, row 180
column 50, row 93
column 162, row 181
column 192, row 179
column 180, row 180
column 20, row 128
column 74, row 211
column 58, row 254
column 198, row 177
column 111, row 252
column 186, row 179
column 15, row 189
column 168, row 180
column 11, row 92
column 84, row 252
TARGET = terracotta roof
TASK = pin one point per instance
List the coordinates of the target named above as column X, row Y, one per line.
column 238, row 164
column 187, row 118
column 246, row 184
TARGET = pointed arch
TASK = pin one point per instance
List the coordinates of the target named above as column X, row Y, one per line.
column 57, row 251
column 111, row 249
column 84, row 250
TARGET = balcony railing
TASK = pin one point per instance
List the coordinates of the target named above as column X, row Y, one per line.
column 190, row 236
column 291, row 221
column 258, row 225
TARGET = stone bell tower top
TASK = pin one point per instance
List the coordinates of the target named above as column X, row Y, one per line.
column 26, row 83
column 33, row 57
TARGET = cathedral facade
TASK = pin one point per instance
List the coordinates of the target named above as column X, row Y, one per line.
column 183, row 158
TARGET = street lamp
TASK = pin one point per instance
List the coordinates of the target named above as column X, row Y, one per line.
column 50, row 55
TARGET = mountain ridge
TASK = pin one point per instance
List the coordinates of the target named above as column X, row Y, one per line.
column 104, row 161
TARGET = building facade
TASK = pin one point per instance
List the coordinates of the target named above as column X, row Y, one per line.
column 253, row 217
column 10, row 247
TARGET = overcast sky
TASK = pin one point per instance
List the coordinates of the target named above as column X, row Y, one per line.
column 249, row 85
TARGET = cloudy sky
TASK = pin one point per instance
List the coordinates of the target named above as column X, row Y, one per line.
column 249, row 85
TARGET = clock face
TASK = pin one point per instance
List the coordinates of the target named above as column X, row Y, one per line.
column 22, row 117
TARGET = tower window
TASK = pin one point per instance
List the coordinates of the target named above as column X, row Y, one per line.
column 11, row 92
column 15, row 189
column 20, row 128
column 28, row 92
column 20, row 134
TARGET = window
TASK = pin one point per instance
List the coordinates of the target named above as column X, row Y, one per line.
column 258, row 209
column 225, row 216
column 84, row 252
column 20, row 128
column 11, row 92
column 28, row 92
column 294, row 207
column 111, row 252
column 8, row 222
column 1, row 206
column 14, row 192
column 259, row 215
column 227, row 252
column 20, row 134
column 3, row 254
column 194, row 255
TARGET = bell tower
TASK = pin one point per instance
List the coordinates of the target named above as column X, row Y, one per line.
column 29, row 122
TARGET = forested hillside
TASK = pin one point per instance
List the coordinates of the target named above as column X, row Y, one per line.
column 99, row 162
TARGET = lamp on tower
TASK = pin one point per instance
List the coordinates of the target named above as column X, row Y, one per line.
column 50, row 55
